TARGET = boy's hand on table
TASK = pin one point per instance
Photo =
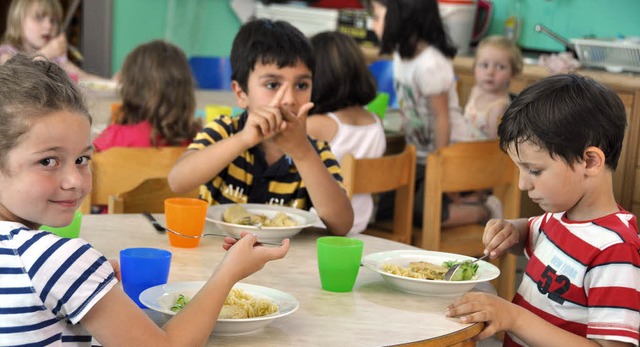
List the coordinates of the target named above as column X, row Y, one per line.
column 497, row 313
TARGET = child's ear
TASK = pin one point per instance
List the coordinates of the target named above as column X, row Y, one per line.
column 594, row 159
column 241, row 96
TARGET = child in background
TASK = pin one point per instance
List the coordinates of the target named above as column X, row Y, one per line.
column 158, row 100
column 264, row 155
column 497, row 61
column 581, row 285
column 426, row 90
column 342, row 86
column 33, row 28
column 57, row 290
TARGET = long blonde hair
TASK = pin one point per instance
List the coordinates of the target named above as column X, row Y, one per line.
column 17, row 13
column 157, row 86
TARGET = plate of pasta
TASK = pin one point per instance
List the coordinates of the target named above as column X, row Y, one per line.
column 420, row 271
column 270, row 223
column 247, row 309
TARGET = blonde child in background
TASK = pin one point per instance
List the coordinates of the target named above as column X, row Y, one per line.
column 33, row 28
column 497, row 61
column 158, row 100
column 581, row 285
column 426, row 90
column 58, row 290
column 342, row 86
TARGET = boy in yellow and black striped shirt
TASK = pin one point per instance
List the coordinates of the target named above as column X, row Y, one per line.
column 265, row 155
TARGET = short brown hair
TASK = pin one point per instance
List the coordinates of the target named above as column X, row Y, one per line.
column 342, row 77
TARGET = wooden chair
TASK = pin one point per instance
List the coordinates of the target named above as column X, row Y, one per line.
column 120, row 169
column 376, row 175
column 465, row 167
column 148, row 196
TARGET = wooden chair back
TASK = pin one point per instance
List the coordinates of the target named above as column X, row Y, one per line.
column 387, row 173
column 148, row 196
column 120, row 169
column 469, row 166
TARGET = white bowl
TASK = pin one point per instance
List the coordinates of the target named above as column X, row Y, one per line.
column 266, row 234
column 161, row 298
column 486, row 272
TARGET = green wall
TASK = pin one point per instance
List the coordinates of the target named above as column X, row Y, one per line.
column 569, row 19
column 199, row 27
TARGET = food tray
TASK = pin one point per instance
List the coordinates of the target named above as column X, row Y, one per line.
column 613, row 55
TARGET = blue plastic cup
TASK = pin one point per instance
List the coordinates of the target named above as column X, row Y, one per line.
column 143, row 268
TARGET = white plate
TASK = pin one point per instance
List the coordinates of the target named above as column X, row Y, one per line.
column 103, row 87
column 486, row 272
column 266, row 234
column 161, row 298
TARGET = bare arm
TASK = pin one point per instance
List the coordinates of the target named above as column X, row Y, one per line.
column 321, row 127
column 440, row 107
column 116, row 321
column 502, row 315
column 330, row 201
column 195, row 167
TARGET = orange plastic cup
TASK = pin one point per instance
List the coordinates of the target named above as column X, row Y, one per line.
column 186, row 216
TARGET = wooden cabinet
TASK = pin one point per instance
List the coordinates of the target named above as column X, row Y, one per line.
column 626, row 184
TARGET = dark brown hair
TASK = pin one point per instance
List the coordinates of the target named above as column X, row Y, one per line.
column 565, row 114
column 341, row 78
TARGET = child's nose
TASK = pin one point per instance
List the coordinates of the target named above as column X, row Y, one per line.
column 524, row 184
column 72, row 178
column 289, row 98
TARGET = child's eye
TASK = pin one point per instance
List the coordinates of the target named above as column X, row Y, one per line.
column 535, row 172
column 49, row 162
column 302, row 85
column 272, row 85
column 84, row 160
column 500, row 67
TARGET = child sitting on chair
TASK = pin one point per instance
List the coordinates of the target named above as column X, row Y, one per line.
column 342, row 86
column 497, row 61
column 581, row 284
column 158, row 100
column 264, row 155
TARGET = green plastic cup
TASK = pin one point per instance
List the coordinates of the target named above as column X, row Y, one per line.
column 70, row 231
column 339, row 262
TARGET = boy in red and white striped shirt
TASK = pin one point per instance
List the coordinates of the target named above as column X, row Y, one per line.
column 582, row 281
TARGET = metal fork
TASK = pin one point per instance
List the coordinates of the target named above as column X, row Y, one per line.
column 220, row 235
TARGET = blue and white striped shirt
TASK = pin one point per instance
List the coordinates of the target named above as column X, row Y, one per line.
column 47, row 284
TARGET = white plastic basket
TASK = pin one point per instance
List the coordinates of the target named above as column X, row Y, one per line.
column 613, row 55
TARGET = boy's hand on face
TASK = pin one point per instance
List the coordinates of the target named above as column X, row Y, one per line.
column 264, row 122
column 294, row 133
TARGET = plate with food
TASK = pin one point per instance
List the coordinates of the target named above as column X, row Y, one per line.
column 247, row 309
column 422, row 272
column 270, row 223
